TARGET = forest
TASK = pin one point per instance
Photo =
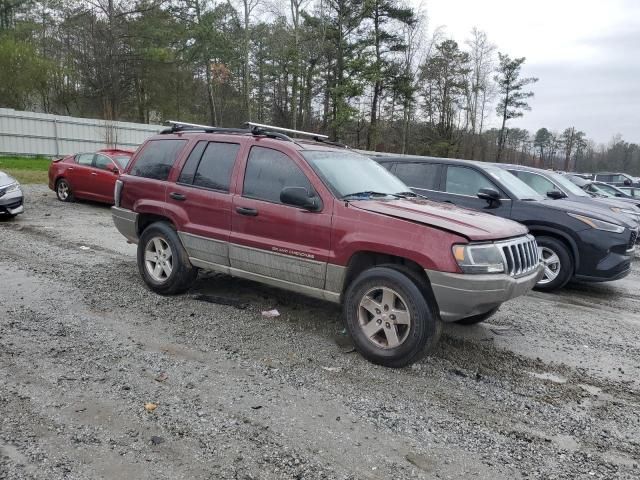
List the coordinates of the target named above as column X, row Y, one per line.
column 373, row 74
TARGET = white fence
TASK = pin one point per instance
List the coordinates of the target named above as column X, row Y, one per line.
column 29, row 133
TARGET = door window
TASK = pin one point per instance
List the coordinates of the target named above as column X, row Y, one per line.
column 85, row 159
column 419, row 175
column 103, row 163
column 466, row 181
column 216, row 165
column 535, row 181
column 268, row 172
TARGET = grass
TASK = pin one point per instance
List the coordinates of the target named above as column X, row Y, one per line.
column 26, row 169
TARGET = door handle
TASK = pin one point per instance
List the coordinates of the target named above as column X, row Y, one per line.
column 94, row 173
column 177, row 196
column 249, row 212
column 70, row 169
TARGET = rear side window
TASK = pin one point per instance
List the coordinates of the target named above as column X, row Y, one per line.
column 418, row 175
column 268, row 172
column 157, row 158
column 85, row 159
column 466, row 181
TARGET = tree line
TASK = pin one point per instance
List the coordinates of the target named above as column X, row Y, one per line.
column 370, row 73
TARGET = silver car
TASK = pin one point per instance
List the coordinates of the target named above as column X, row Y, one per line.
column 11, row 196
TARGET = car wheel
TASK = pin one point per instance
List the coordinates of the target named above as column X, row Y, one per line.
column 63, row 191
column 389, row 318
column 477, row 318
column 163, row 261
column 558, row 264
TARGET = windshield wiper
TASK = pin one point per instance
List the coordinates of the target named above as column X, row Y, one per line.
column 408, row 194
column 369, row 193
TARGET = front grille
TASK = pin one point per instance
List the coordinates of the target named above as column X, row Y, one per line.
column 521, row 255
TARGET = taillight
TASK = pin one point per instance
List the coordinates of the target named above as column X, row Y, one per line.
column 117, row 192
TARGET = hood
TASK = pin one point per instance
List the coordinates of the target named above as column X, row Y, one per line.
column 618, row 202
column 477, row 226
column 588, row 210
column 6, row 179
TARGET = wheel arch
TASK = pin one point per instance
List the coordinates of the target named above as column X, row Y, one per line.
column 146, row 219
column 541, row 230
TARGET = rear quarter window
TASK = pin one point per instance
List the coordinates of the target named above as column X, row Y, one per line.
column 157, row 158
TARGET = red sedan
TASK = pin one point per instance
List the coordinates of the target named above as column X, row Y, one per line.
column 91, row 176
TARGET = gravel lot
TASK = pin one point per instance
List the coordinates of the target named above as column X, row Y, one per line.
column 548, row 389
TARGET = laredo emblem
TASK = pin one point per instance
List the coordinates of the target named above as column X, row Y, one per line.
column 295, row 253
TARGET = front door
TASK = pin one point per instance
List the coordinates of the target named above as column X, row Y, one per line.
column 461, row 185
column 270, row 239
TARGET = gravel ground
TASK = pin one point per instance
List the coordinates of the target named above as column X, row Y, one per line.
column 548, row 388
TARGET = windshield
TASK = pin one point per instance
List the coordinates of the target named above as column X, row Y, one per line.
column 346, row 173
column 521, row 190
column 567, row 184
column 122, row 161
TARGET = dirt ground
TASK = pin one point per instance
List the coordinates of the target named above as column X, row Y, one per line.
column 548, row 388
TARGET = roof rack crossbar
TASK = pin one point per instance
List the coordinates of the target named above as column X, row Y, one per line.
column 269, row 128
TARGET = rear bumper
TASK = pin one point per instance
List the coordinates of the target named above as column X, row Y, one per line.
column 463, row 295
column 126, row 222
column 12, row 203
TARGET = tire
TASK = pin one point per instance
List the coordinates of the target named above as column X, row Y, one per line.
column 554, row 278
column 475, row 319
column 63, row 190
column 398, row 335
column 163, row 262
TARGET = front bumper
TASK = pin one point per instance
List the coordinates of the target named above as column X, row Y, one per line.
column 462, row 295
column 126, row 222
column 12, row 203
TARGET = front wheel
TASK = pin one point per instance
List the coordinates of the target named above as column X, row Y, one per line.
column 558, row 264
column 163, row 261
column 389, row 318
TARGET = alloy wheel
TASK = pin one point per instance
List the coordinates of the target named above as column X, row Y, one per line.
column 551, row 263
column 158, row 259
column 63, row 190
column 384, row 317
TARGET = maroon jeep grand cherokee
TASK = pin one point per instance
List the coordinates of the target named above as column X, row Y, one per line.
column 322, row 221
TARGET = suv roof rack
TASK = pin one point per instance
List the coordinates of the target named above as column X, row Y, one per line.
column 251, row 127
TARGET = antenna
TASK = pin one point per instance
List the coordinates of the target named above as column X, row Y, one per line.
column 287, row 130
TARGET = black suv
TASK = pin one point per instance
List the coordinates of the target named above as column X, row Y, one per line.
column 576, row 241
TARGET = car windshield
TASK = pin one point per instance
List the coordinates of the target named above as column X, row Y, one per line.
column 348, row 173
column 567, row 184
column 122, row 160
column 517, row 187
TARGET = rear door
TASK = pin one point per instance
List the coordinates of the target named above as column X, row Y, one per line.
column 270, row 239
column 201, row 195
column 79, row 174
column 422, row 177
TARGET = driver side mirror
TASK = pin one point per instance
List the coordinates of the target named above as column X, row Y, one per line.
column 115, row 170
column 627, row 183
column 555, row 194
column 300, row 197
column 491, row 195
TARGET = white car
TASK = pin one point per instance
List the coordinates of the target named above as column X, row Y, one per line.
column 11, row 196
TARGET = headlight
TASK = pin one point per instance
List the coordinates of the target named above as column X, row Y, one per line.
column 482, row 258
column 598, row 224
column 12, row 187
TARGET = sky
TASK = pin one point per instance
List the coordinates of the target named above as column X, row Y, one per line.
column 586, row 54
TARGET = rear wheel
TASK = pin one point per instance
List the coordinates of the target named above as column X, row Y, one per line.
column 389, row 318
column 63, row 191
column 558, row 264
column 163, row 261
column 473, row 320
